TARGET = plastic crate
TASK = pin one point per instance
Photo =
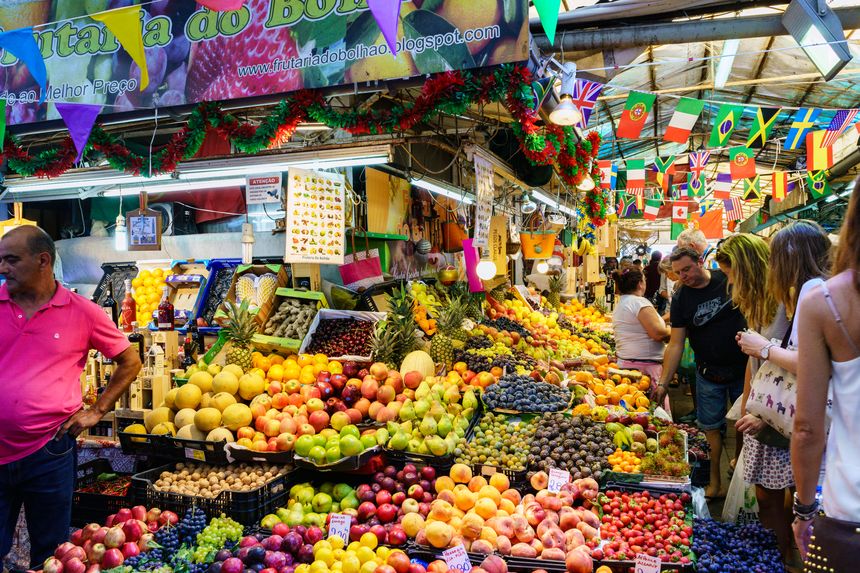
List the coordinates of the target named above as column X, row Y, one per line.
column 95, row 507
column 114, row 274
column 348, row 464
column 216, row 288
column 173, row 449
column 517, row 478
column 246, row 507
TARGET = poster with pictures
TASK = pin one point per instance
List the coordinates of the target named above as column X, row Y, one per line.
column 315, row 217
column 484, row 204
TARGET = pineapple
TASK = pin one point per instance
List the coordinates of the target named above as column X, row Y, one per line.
column 401, row 323
column 554, row 295
column 449, row 333
column 239, row 331
column 384, row 344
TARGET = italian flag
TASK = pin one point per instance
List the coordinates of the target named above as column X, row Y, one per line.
column 652, row 207
column 683, row 120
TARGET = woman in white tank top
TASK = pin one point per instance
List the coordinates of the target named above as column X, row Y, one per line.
column 829, row 345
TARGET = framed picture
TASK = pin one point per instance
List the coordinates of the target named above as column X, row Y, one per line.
column 144, row 228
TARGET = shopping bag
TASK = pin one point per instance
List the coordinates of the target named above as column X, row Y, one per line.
column 740, row 505
column 361, row 269
column 773, row 397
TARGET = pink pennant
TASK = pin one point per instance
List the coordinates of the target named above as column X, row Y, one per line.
column 386, row 13
column 79, row 118
column 470, row 260
column 221, row 5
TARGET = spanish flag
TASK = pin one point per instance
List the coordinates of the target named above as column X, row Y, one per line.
column 780, row 187
column 818, row 157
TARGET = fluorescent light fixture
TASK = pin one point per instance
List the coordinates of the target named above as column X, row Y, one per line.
column 565, row 113
column 832, row 198
column 218, row 173
column 818, row 31
column 443, row 189
column 486, row 270
column 727, row 60
column 552, row 203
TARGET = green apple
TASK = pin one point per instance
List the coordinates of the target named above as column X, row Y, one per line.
column 317, row 455
column 332, row 453
column 352, row 446
column 319, row 440
column 328, row 433
column 368, row 441
column 304, row 444
column 350, row 430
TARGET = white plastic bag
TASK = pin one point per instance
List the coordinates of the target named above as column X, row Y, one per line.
column 741, row 504
column 735, row 411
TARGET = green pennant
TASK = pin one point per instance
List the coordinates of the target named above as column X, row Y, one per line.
column 695, row 185
column 818, row 184
column 548, row 13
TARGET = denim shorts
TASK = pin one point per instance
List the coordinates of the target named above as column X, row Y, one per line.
column 713, row 400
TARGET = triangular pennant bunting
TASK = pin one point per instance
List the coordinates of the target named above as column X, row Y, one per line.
column 765, row 119
column 635, row 113
column 125, row 24
column 818, row 156
column 79, row 118
column 683, row 120
column 386, row 13
column 541, row 89
column 725, row 123
column 780, row 186
column 652, row 207
column 21, row 44
column 818, row 184
column 548, row 13
column 635, row 175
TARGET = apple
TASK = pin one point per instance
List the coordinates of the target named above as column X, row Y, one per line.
column 309, row 391
column 115, row 536
column 130, row 550
column 396, row 536
column 292, row 386
column 325, row 389
column 133, row 529
column 398, row 498
column 319, row 420
column 280, row 400
column 366, row 510
column 410, row 506
column 168, row 517
column 272, row 444
column 74, row 565
column 75, row 538
column 379, row 371
column 350, row 368
column 112, row 558
column 350, row 394
column 145, row 540
column 416, row 492
column 386, row 513
column 383, row 497
column 315, row 405
column 334, row 404
column 380, row 532
column 89, row 529
column 99, row 536
column 153, row 514
column 94, row 568
column 54, row 565
column 271, row 428
column 273, row 388
column 355, row 532
column 139, row 512
column 286, row 442
column 305, row 429
column 338, row 382
column 244, row 432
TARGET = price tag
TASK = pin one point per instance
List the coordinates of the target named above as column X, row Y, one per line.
column 192, row 454
column 647, row 564
column 456, row 558
column 557, row 478
column 338, row 526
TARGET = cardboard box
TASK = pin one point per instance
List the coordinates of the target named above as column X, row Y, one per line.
column 270, row 343
column 262, row 313
column 326, row 313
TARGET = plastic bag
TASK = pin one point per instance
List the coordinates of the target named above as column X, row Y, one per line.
column 735, row 411
column 741, row 504
column 700, row 504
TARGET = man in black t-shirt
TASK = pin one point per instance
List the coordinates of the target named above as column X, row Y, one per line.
column 702, row 310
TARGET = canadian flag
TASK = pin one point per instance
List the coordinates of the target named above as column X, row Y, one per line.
column 679, row 213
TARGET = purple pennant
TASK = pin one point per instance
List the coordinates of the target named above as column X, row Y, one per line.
column 386, row 13
column 79, row 118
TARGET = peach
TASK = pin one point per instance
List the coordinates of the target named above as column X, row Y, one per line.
column 470, row 528
column 526, row 535
column 579, row 562
column 588, row 487
column 553, row 537
column 413, row 379
column 528, row 498
column 573, row 539
column 476, row 483
column 465, row 500
column 538, row 546
column 482, row 546
column 493, row 564
column 439, row 534
column 509, row 494
column 507, row 507
column 503, row 545
column 500, row 481
column 354, row 415
column 421, row 537
column 385, row 394
column 384, row 414
column 553, row 553
column 519, row 523
column 460, row 540
column 504, row 526
column 444, row 483
column 489, row 534
column 590, row 518
column 374, row 408
column 539, row 480
column 534, row 513
column 456, row 521
column 461, row 473
column 412, row 523
column 490, row 492
column 485, row 507
column 363, row 406
column 568, row 518
column 588, row 532
column 523, row 550
column 440, row 510
column 446, row 495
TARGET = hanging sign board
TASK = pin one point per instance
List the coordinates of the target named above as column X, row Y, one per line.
column 263, row 189
column 484, row 204
column 266, row 47
column 315, row 217
column 144, row 228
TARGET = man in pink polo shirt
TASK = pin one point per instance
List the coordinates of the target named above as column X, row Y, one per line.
column 46, row 332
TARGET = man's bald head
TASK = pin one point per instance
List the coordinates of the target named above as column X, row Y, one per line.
column 36, row 240
column 27, row 261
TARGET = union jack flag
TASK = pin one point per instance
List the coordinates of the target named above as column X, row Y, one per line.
column 841, row 121
column 734, row 209
column 698, row 160
column 584, row 97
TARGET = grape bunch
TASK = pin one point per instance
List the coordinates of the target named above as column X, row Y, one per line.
column 191, row 525
column 730, row 548
column 214, row 537
column 152, row 559
column 505, row 323
column 478, row 342
column 168, row 539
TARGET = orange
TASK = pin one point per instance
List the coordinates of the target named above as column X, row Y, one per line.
column 276, row 358
column 321, row 359
column 614, row 397
column 305, row 359
column 292, row 370
column 276, row 372
column 263, row 364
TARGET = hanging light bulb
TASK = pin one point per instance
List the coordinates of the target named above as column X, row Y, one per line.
column 486, row 270
column 566, row 113
column 528, row 207
column 587, row 183
column 248, row 241
column 120, row 236
column 542, row 267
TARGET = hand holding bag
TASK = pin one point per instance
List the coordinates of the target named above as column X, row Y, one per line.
column 361, row 269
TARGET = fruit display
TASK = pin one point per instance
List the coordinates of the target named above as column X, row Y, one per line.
column 583, row 315
column 256, row 290
column 523, row 394
column 147, row 290
column 671, row 457
column 498, row 441
column 203, row 480
column 342, row 337
column 330, row 446
column 220, row 281
column 639, row 522
column 578, row 445
column 292, row 319
column 616, row 389
column 625, row 462
column 730, row 548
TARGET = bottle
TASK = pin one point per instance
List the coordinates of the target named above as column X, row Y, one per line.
column 136, row 340
column 165, row 312
column 129, row 309
column 109, row 305
column 196, row 339
column 189, row 359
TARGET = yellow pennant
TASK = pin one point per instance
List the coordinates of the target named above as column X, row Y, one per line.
column 126, row 26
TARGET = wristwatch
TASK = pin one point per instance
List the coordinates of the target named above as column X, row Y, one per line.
column 765, row 352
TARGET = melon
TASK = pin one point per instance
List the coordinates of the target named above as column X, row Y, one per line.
column 189, row 396
column 235, row 369
column 190, row 432
column 203, row 380
column 220, row 435
column 136, row 429
column 184, row 417
column 221, row 400
column 236, row 415
column 156, row 417
column 418, row 361
column 170, row 397
column 164, row 428
column 225, row 381
column 207, row 419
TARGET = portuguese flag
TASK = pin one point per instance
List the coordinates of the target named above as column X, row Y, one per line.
column 635, row 113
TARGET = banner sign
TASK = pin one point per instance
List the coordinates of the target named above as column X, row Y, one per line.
column 263, row 189
column 266, row 47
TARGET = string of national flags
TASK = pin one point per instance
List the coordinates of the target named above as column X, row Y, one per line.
column 639, row 105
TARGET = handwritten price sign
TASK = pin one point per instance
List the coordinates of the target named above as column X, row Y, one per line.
column 647, row 564
column 557, row 478
column 338, row 526
column 456, row 558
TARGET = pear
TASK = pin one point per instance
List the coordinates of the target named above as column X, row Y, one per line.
column 422, row 391
column 468, row 413
column 469, row 399
column 455, row 409
column 437, row 411
column 407, row 411
column 422, row 448
column 437, row 446
column 428, row 425
column 381, row 436
column 421, row 408
column 461, row 423
column 445, row 426
column 438, row 390
column 406, row 427
column 451, row 395
column 392, row 427
column 399, row 441
column 451, row 442
column 414, row 445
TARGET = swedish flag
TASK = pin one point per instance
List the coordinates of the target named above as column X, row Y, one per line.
column 803, row 121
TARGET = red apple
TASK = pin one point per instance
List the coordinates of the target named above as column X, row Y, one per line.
column 133, row 529
column 130, row 550
column 383, row 497
column 380, row 532
column 273, row 388
column 369, row 388
column 366, row 510
column 319, row 420
column 338, row 382
column 286, row 442
column 74, row 565
column 62, row 549
column 89, row 529
column 138, row 512
column 413, row 379
column 112, row 558
column 169, row 516
column 386, row 513
column 398, row 498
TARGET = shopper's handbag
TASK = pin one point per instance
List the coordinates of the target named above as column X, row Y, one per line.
column 773, row 394
column 361, row 269
column 833, row 546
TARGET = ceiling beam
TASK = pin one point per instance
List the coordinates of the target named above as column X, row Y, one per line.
column 692, row 31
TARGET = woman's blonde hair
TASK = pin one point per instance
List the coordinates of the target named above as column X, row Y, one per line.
column 748, row 255
column 798, row 252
